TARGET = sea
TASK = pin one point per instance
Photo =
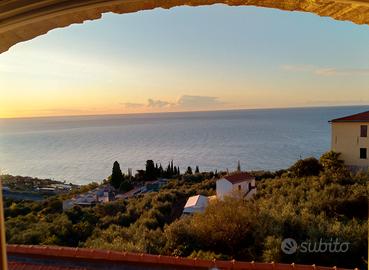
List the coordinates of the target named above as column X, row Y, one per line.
column 82, row 149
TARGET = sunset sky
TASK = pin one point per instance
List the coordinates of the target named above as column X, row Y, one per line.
column 187, row 59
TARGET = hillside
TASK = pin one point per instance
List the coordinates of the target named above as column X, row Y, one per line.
column 327, row 207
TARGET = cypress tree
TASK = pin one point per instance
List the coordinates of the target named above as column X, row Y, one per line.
column 161, row 171
column 197, row 170
column 238, row 166
column 150, row 170
column 168, row 173
column 171, row 168
column 116, row 178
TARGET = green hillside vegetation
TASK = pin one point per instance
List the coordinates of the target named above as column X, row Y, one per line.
column 312, row 200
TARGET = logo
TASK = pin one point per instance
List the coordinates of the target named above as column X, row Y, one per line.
column 289, row 246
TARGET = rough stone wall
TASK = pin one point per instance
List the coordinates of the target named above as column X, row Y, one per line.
column 21, row 20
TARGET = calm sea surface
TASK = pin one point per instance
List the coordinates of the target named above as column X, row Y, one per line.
column 83, row 149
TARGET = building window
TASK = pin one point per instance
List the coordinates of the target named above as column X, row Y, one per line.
column 363, row 153
column 363, row 131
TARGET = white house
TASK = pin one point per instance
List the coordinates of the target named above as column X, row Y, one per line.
column 196, row 204
column 239, row 182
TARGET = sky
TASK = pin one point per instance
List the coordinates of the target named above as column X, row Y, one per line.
column 187, row 59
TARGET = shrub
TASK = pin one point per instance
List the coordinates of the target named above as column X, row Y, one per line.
column 332, row 165
column 306, row 167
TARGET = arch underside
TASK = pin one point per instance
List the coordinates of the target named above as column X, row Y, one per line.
column 21, row 20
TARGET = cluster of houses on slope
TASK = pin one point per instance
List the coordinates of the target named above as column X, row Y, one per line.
column 235, row 184
column 106, row 193
column 102, row 194
column 55, row 189
column 37, row 193
column 52, row 189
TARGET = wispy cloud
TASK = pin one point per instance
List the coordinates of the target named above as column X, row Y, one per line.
column 185, row 102
column 326, row 71
column 158, row 103
column 342, row 72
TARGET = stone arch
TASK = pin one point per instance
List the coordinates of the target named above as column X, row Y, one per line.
column 21, row 20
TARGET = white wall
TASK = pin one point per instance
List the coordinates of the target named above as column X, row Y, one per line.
column 347, row 141
column 225, row 188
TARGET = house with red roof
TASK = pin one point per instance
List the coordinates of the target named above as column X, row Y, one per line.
column 233, row 184
column 241, row 183
column 350, row 138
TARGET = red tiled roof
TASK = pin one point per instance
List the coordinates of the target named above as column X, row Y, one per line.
column 238, row 177
column 359, row 117
column 47, row 254
column 30, row 266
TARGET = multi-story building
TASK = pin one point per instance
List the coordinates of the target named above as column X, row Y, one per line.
column 350, row 138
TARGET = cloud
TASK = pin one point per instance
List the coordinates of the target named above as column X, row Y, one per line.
column 151, row 103
column 326, row 71
column 184, row 102
column 197, row 102
column 341, row 72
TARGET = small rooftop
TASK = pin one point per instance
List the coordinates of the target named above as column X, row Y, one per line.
column 192, row 201
column 238, row 177
column 359, row 117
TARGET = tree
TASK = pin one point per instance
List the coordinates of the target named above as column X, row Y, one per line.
column 197, row 170
column 306, row 167
column 189, row 170
column 125, row 186
column 238, row 166
column 161, row 170
column 140, row 175
column 167, row 171
column 332, row 164
column 171, row 167
column 150, row 170
column 116, row 178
